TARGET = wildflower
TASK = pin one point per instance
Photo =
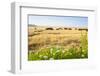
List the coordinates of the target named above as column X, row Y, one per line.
column 51, row 59
column 63, row 51
column 83, row 55
column 53, row 53
column 40, row 56
column 45, row 57
column 83, row 50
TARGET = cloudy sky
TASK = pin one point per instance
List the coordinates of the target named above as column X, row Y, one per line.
column 66, row 21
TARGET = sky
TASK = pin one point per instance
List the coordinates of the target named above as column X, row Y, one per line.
column 66, row 21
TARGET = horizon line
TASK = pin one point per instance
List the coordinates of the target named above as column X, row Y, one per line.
column 57, row 25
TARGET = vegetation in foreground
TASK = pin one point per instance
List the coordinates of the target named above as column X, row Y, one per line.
column 54, row 52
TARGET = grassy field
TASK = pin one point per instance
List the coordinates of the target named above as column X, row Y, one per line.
column 53, row 44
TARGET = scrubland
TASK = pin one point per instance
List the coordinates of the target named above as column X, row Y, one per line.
column 53, row 44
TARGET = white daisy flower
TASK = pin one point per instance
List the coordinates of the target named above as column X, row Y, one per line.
column 45, row 57
column 51, row 59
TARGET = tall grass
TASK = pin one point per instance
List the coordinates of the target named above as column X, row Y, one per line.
column 54, row 52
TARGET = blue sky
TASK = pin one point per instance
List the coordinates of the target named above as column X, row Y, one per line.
column 67, row 21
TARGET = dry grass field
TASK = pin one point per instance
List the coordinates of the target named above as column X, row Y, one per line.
column 45, row 43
